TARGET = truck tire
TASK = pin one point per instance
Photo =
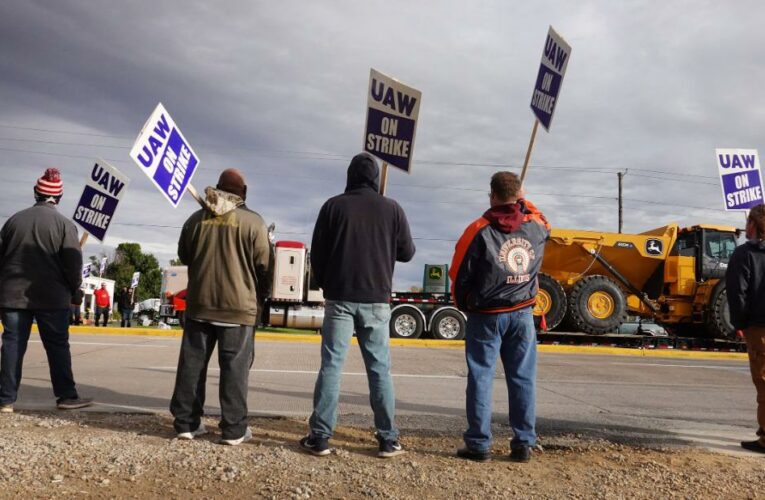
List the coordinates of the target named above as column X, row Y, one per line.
column 597, row 305
column 448, row 324
column 406, row 323
column 551, row 301
column 718, row 323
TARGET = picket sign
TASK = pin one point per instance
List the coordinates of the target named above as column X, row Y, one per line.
column 740, row 179
column 104, row 188
column 555, row 56
column 392, row 111
column 162, row 153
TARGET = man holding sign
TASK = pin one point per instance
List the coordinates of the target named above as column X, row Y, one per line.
column 41, row 266
column 229, row 257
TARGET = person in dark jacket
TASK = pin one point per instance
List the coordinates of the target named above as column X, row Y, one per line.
column 494, row 279
column 76, row 307
column 126, row 304
column 229, row 257
column 41, row 268
column 358, row 237
column 745, row 284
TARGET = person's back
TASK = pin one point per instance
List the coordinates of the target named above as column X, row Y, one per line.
column 229, row 257
column 40, row 271
column 358, row 238
column 494, row 278
column 226, row 249
column 36, row 270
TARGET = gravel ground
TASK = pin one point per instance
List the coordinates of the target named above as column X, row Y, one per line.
column 96, row 455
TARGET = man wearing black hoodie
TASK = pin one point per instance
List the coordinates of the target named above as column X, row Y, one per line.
column 358, row 237
column 494, row 280
column 745, row 284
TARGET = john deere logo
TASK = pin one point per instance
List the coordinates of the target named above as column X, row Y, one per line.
column 435, row 273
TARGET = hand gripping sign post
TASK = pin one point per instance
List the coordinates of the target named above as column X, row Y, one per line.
column 740, row 178
column 392, row 110
column 165, row 156
column 103, row 191
column 547, row 87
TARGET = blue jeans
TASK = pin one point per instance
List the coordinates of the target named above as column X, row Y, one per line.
column 53, row 326
column 370, row 321
column 512, row 337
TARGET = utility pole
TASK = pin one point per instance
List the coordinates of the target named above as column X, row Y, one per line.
column 621, row 175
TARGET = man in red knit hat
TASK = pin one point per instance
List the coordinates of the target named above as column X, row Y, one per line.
column 41, row 266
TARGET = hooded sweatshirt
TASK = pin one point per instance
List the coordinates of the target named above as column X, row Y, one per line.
column 497, row 259
column 358, row 237
column 745, row 284
column 229, row 259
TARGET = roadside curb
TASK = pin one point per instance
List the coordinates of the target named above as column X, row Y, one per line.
column 433, row 343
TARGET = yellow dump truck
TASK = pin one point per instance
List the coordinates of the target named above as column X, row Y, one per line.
column 591, row 281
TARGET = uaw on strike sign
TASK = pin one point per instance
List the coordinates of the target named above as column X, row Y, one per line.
column 550, row 77
column 164, row 154
column 392, row 110
column 104, row 189
column 740, row 178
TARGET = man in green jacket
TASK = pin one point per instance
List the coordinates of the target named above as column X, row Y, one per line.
column 229, row 257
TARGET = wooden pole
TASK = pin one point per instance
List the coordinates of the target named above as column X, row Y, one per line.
column 528, row 151
column 193, row 191
column 84, row 239
column 384, row 178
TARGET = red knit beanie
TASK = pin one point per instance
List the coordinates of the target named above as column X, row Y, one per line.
column 50, row 183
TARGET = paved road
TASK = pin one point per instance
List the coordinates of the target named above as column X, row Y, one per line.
column 708, row 403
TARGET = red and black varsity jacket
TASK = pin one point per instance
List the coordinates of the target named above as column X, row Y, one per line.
column 497, row 259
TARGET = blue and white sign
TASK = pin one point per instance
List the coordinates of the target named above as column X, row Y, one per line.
column 135, row 280
column 740, row 178
column 86, row 270
column 103, row 191
column 103, row 266
column 164, row 155
column 392, row 110
column 555, row 58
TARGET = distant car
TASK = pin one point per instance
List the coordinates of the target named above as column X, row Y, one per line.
column 642, row 328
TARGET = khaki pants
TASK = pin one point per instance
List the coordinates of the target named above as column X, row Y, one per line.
column 755, row 347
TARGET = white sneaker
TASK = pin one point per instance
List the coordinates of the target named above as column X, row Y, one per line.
column 192, row 434
column 234, row 442
column 6, row 408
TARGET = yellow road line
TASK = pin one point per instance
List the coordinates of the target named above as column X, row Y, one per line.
column 441, row 344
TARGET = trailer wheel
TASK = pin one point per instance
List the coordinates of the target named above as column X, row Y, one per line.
column 406, row 323
column 448, row 325
column 551, row 301
column 597, row 305
column 718, row 316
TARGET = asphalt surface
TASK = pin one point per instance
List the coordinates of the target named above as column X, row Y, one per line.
column 644, row 400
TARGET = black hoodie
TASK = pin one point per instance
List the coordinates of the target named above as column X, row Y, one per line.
column 358, row 238
column 745, row 281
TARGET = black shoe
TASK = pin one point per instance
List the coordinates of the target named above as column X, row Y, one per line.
column 389, row 448
column 475, row 455
column 753, row 446
column 73, row 403
column 520, row 454
column 315, row 446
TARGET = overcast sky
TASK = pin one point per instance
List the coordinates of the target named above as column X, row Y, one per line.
column 278, row 89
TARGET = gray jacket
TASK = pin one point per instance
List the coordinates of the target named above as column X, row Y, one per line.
column 40, row 260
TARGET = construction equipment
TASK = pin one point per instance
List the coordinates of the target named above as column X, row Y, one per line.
column 590, row 281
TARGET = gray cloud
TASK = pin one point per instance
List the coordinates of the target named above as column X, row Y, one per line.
column 278, row 89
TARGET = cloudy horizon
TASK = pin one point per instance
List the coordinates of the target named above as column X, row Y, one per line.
column 278, row 89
